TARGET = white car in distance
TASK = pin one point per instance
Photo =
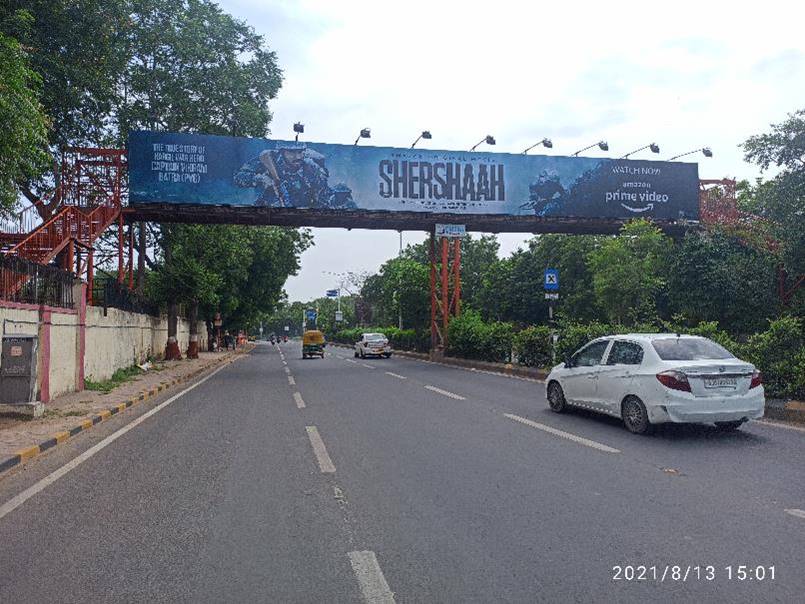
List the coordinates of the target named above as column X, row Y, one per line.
column 649, row 379
column 374, row 344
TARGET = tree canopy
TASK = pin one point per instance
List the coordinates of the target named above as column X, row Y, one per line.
column 23, row 144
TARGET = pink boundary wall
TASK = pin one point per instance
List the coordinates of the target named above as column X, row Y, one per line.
column 45, row 322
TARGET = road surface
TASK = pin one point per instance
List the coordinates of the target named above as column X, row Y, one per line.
column 347, row 480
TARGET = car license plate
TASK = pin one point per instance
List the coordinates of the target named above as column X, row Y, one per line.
column 721, row 382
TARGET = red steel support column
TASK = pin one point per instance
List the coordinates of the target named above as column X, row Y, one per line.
column 131, row 256
column 90, row 274
column 457, row 277
column 120, row 249
column 445, row 291
column 70, row 256
column 434, row 333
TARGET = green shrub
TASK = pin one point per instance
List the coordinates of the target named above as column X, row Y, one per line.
column 573, row 336
column 779, row 352
column 532, row 346
column 400, row 339
column 706, row 329
column 470, row 337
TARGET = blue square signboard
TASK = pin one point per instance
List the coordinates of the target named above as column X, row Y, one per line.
column 551, row 280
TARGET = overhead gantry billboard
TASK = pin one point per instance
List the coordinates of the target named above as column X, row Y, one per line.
column 201, row 170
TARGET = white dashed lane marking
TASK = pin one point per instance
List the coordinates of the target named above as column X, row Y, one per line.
column 300, row 404
column 291, row 381
column 397, row 375
column 373, row 584
column 325, row 463
column 577, row 439
column 796, row 512
column 458, row 397
column 368, row 366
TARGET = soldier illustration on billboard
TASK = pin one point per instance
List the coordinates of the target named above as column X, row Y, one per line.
column 292, row 176
column 546, row 194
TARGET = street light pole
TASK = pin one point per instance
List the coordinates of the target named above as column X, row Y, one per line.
column 545, row 142
column 705, row 151
column 655, row 148
column 603, row 145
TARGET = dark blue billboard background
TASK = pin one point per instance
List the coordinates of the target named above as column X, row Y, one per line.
column 199, row 169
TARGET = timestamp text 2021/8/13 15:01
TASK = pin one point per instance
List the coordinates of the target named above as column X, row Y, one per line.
column 679, row 572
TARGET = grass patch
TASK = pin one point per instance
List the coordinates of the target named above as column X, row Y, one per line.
column 118, row 377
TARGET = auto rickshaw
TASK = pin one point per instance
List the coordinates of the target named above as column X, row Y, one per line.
column 313, row 343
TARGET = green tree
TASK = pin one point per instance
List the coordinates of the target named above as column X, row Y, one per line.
column 77, row 49
column 714, row 276
column 628, row 272
column 23, row 144
column 193, row 67
column 781, row 200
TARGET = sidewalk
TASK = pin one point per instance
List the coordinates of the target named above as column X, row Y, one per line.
column 75, row 412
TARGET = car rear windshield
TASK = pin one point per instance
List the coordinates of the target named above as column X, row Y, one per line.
column 689, row 349
column 373, row 337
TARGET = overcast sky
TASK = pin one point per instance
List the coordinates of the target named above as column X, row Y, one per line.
column 683, row 74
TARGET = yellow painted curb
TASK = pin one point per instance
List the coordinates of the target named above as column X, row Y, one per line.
column 121, row 407
column 86, row 424
column 61, row 436
column 105, row 413
column 28, row 453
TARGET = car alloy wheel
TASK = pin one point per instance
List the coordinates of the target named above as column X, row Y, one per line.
column 635, row 416
column 556, row 398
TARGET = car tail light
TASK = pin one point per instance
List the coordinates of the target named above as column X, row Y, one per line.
column 757, row 379
column 675, row 380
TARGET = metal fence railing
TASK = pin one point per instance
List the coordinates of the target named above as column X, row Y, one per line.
column 108, row 293
column 28, row 282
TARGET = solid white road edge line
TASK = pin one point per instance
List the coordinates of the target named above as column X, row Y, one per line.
column 578, row 439
column 774, row 424
column 291, row 381
column 373, row 584
column 325, row 463
column 458, row 397
column 18, row 500
column 796, row 512
column 300, row 404
column 397, row 375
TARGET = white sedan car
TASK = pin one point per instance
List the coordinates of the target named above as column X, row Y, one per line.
column 648, row 379
column 372, row 344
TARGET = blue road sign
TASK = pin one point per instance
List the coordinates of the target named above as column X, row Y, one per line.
column 551, row 280
column 332, row 293
column 310, row 314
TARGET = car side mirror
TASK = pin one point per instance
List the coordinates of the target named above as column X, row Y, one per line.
column 568, row 362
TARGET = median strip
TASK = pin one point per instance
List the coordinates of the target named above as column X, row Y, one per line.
column 325, row 463
column 458, row 397
column 578, row 439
